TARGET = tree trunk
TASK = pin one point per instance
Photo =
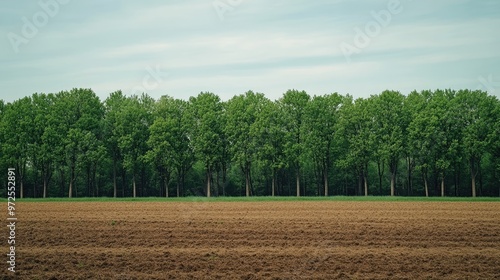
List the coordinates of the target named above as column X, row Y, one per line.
column 94, row 179
column 183, row 181
column 288, row 183
column 217, row 183
column 71, row 181
column 35, row 183
column 20, row 169
column 304, row 185
column 224, row 177
column 166, row 185
column 178, row 184
column 380, row 169
column 247, row 182
column 442, row 185
column 496, row 176
column 426, row 186
column 365, row 183
column 252, row 191
column 124, row 175
column 208, row 181
column 298, row 182
column 359, row 191
column 436, row 180
column 63, row 183
column 22, row 188
column 165, row 179
column 480, row 179
column 393, row 182
column 44, row 188
column 89, row 183
column 134, row 187
column 95, row 187
column 45, row 177
column 70, row 192
column 325, row 180
column 410, row 168
column 114, row 179
column 273, row 183
column 394, row 168
column 473, row 177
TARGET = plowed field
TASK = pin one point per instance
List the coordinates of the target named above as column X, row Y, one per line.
column 257, row 240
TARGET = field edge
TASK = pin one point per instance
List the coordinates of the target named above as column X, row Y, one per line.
column 262, row 199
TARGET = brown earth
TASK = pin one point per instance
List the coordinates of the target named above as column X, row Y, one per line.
column 257, row 240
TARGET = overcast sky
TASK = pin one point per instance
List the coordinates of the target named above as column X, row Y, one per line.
column 183, row 47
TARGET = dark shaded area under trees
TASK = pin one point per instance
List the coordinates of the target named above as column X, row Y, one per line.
column 429, row 143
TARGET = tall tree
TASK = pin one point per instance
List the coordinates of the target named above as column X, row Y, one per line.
column 45, row 144
column 113, row 106
column 54, row 138
column 476, row 119
column 293, row 105
column 82, row 114
column 224, row 158
column 17, row 125
column 269, row 126
column 133, row 121
column 169, row 144
column 389, row 118
column 410, row 109
column 242, row 113
column 321, row 119
column 205, row 132
column 494, row 140
column 421, row 132
column 446, row 137
column 356, row 124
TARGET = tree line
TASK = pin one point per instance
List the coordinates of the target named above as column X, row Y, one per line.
column 428, row 143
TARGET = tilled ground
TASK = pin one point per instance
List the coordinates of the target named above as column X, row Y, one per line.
column 257, row 240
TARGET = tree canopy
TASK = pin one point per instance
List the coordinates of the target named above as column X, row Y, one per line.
column 428, row 143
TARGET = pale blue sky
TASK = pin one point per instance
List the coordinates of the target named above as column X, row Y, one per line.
column 231, row 46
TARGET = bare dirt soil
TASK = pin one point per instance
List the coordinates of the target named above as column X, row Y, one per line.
column 257, row 240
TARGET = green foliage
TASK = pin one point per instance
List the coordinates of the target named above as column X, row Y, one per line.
column 293, row 105
column 357, row 126
column 133, row 121
column 206, row 131
column 321, row 133
column 243, row 131
column 169, row 147
column 494, row 137
column 441, row 142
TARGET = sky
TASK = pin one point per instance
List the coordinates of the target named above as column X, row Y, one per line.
column 183, row 47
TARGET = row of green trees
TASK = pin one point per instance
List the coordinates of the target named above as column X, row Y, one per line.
column 427, row 143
